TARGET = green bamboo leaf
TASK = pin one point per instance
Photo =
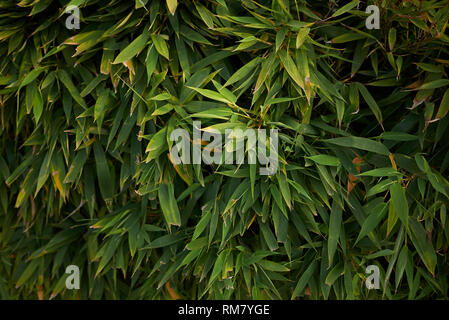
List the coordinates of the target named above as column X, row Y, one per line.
column 401, row 265
column 104, row 176
column 100, row 107
column 398, row 136
column 211, row 95
column 325, row 160
column 108, row 252
column 197, row 244
column 430, row 67
column 434, row 84
column 243, row 71
column 381, row 172
column 151, row 61
column 372, row 221
column 300, row 189
column 444, row 105
column 301, row 37
column 268, row 236
column 168, row 204
column 160, row 45
column 347, row 37
column 92, row 85
column 19, row 170
column 280, row 36
column 205, row 15
column 165, row 241
column 218, row 266
column 371, row 102
column 272, row 266
column 76, row 167
column 334, row 231
column 67, row 81
column 334, row 274
column 277, row 198
column 28, row 272
column 44, row 172
column 157, row 145
column 163, row 110
column 285, row 190
column 303, row 280
column 291, row 68
column 193, row 36
column 392, row 38
column 172, row 4
column 422, row 244
column 30, row 77
column 214, row 113
column 437, row 183
column 381, row 253
column 202, row 224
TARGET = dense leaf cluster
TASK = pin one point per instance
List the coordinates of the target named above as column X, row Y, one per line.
column 86, row 177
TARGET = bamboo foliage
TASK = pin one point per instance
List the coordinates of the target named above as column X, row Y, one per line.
column 87, row 180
